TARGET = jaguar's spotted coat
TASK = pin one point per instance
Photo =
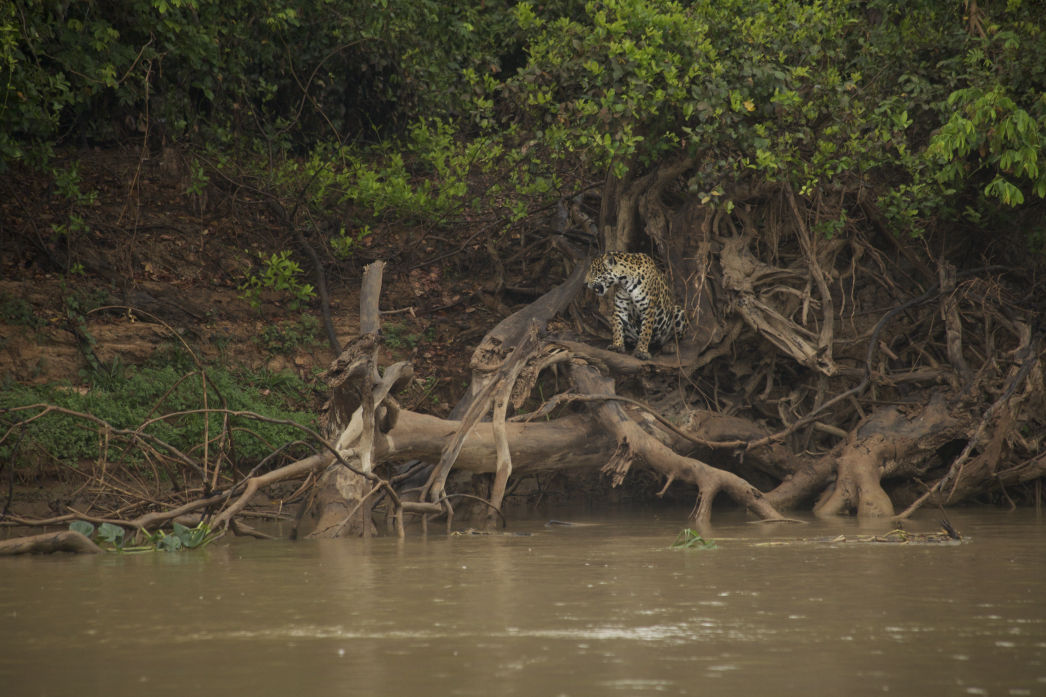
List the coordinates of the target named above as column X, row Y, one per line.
column 645, row 312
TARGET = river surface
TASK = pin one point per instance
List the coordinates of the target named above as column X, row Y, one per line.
column 600, row 609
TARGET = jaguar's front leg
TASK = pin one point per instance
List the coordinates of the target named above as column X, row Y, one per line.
column 621, row 302
column 642, row 351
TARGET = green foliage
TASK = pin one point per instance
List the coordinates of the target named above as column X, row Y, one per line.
column 198, row 180
column 990, row 134
column 280, row 273
column 71, row 201
column 344, row 244
column 107, row 535
column 113, row 538
column 420, row 177
column 927, row 107
column 745, row 82
column 67, row 183
column 692, row 540
column 398, row 336
column 182, row 537
column 146, row 392
column 111, row 534
column 984, row 94
column 393, row 110
column 288, row 337
column 17, row 311
column 295, row 70
column 83, row 527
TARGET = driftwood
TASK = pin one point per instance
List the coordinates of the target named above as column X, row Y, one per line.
column 350, row 418
column 606, row 438
column 362, row 418
column 48, row 543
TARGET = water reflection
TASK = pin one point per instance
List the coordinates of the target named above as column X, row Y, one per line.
column 604, row 609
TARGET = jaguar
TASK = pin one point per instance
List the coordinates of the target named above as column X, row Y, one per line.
column 645, row 313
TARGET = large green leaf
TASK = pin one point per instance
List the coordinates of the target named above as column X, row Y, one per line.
column 169, row 543
column 111, row 534
column 191, row 537
column 83, row 527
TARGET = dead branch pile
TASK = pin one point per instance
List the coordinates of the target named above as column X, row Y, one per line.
column 848, row 373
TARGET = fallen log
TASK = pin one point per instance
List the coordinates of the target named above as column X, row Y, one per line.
column 576, row 441
column 49, row 543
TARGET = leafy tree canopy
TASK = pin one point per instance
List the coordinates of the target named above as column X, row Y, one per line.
column 938, row 108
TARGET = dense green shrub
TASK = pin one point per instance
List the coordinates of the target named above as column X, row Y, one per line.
column 931, row 109
column 287, row 72
column 127, row 396
column 935, row 108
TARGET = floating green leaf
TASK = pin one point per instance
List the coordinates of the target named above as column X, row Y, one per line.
column 192, row 538
column 111, row 534
column 83, row 527
column 691, row 539
column 169, row 543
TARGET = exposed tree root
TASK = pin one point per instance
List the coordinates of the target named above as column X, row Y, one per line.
column 635, row 443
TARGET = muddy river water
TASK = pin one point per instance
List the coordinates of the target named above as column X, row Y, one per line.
column 599, row 609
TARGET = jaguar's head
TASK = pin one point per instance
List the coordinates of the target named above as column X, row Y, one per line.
column 599, row 277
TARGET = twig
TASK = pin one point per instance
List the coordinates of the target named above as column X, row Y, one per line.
column 504, row 521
